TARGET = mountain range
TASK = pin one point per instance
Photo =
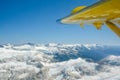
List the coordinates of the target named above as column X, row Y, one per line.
column 59, row 62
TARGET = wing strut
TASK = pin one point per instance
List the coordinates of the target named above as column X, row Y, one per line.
column 114, row 28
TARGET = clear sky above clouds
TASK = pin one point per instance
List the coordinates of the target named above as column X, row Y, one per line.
column 34, row 21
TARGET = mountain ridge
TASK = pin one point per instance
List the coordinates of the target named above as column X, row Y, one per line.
column 59, row 62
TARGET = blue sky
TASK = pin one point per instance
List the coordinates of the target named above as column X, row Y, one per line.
column 34, row 21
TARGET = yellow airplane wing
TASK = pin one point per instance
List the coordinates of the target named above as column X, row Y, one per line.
column 103, row 12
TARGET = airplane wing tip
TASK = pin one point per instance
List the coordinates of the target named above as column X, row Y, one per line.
column 59, row 21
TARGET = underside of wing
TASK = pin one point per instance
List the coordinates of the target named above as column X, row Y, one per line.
column 102, row 12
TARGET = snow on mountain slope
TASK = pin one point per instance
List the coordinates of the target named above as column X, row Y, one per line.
column 59, row 62
column 79, row 69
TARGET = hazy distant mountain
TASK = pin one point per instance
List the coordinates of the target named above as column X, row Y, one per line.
column 59, row 62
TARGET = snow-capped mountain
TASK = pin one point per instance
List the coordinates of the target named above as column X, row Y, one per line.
column 59, row 62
